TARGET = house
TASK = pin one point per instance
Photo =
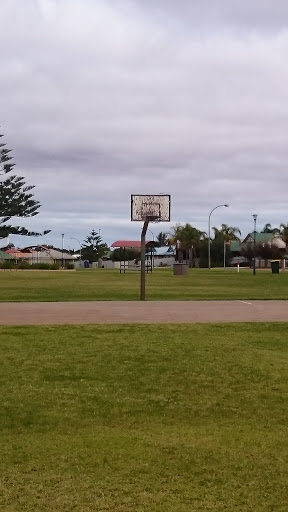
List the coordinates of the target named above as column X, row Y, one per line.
column 44, row 254
column 5, row 257
column 40, row 254
column 17, row 254
column 265, row 238
column 163, row 256
column 261, row 239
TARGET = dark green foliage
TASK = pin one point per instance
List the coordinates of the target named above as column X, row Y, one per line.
column 16, row 199
column 269, row 252
column 162, row 239
column 24, row 265
column 127, row 255
column 263, row 251
column 93, row 247
column 188, row 241
column 69, row 266
column 284, row 232
column 268, row 229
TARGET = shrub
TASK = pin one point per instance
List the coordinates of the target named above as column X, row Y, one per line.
column 69, row 266
column 41, row 266
column 23, row 265
column 8, row 264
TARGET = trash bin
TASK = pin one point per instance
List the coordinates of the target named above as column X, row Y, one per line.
column 275, row 265
column 86, row 264
column 180, row 269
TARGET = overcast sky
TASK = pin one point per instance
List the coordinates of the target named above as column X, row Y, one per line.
column 100, row 99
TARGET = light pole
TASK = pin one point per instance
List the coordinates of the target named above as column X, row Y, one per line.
column 62, row 250
column 73, row 238
column 254, row 244
column 209, row 241
column 152, row 247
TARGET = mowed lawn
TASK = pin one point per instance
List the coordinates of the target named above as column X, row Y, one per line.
column 144, row 418
column 161, row 285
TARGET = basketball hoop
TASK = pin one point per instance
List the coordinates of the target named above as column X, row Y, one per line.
column 155, row 208
column 152, row 218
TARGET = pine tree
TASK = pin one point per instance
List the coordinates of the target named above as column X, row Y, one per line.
column 93, row 247
column 16, row 199
column 162, row 239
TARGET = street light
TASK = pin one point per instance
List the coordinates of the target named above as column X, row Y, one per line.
column 73, row 238
column 153, row 247
column 209, row 241
column 254, row 244
column 62, row 250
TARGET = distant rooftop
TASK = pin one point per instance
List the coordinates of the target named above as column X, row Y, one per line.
column 129, row 244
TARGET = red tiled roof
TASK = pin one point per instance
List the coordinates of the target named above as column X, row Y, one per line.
column 17, row 253
column 131, row 244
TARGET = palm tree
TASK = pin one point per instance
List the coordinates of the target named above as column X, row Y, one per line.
column 268, row 229
column 188, row 240
column 222, row 238
column 227, row 233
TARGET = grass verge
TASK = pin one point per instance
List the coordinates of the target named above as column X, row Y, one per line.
column 161, row 285
column 147, row 418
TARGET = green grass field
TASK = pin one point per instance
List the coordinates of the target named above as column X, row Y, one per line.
column 144, row 418
column 161, row 285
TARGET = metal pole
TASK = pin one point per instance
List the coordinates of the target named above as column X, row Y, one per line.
column 152, row 249
column 254, row 245
column 224, row 262
column 143, row 253
column 209, row 241
column 62, row 250
column 73, row 238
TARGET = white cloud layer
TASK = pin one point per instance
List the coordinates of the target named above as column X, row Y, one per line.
column 103, row 99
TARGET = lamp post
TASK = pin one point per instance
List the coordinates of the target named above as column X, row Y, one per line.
column 73, row 238
column 254, row 244
column 62, row 250
column 152, row 247
column 209, row 241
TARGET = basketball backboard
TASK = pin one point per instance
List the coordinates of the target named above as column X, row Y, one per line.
column 154, row 208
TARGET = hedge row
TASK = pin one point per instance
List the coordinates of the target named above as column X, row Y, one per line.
column 24, row 265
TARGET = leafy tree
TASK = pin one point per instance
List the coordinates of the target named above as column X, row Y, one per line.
column 264, row 251
column 284, row 232
column 16, row 199
column 128, row 255
column 247, row 251
column 269, row 251
column 162, row 239
column 93, row 247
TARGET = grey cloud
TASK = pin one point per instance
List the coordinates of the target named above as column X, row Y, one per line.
column 100, row 100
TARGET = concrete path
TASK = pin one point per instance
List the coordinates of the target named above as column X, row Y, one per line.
column 26, row 313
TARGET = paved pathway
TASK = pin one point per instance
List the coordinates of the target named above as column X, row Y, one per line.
column 25, row 313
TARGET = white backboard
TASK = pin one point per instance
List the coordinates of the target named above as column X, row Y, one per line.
column 153, row 208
